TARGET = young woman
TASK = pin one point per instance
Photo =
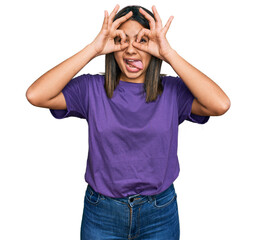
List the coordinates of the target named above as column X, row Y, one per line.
column 133, row 114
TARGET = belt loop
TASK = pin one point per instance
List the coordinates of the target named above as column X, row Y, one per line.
column 151, row 198
column 102, row 196
column 133, row 196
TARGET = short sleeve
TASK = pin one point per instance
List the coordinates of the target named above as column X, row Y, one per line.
column 185, row 99
column 76, row 94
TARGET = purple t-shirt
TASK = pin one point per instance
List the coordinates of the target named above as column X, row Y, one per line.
column 132, row 144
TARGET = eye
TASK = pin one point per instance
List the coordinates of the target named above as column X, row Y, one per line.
column 143, row 40
column 117, row 40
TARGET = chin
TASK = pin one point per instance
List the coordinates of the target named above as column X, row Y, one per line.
column 132, row 75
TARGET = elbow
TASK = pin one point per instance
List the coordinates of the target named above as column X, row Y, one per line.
column 31, row 97
column 224, row 107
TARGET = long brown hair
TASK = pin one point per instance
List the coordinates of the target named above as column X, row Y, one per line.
column 152, row 85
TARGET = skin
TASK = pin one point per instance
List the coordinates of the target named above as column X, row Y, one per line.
column 131, row 29
column 210, row 99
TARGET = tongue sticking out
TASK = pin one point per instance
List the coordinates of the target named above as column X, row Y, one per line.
column 138, row 64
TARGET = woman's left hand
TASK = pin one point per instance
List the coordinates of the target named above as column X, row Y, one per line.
column 157, row 44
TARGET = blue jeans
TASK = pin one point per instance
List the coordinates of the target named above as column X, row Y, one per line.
column 137, row 217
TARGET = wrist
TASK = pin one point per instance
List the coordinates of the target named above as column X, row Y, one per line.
column 169, row 54
column 92, row 50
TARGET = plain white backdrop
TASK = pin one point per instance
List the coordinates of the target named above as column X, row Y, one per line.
column 43, row 159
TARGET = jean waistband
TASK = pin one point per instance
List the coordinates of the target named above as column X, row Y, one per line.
column 137, row 198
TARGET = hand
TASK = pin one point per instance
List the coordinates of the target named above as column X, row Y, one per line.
column 157, row 44
column 104, row 42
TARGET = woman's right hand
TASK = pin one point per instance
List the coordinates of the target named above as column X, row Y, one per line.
column 105, row 41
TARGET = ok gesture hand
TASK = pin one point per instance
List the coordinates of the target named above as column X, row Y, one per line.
column 104, row 42
column 157, row 45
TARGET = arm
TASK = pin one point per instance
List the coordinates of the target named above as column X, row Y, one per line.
column 46, row 90
column 50, row 84
column 210, row 98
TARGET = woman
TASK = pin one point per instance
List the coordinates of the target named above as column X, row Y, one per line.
column 133, row 114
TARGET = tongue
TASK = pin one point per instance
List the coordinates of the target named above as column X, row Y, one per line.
column 137, row 64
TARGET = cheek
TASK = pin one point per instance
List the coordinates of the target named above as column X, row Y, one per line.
column 148, row 59
column 117, row 58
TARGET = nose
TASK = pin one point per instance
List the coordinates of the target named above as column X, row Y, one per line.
column 130, row 49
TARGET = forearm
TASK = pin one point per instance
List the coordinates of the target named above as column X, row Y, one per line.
column 51, row 83
column 207, row 92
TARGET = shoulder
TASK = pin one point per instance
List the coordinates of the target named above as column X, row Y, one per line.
column 96, row 80
column 95, row 84
column 92, row 77
column 169, row 81
column 89, row 80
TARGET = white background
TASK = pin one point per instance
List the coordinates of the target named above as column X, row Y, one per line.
column 43, row 159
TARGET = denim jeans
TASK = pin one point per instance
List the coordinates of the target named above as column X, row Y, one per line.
column 136, row 217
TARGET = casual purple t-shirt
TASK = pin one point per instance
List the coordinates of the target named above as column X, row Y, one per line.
column 132, row 144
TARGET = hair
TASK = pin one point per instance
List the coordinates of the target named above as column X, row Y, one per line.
column 152, row 84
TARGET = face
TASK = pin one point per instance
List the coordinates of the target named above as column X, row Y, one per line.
column 129, row 72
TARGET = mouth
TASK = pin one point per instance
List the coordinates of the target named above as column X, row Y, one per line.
column 133, row 65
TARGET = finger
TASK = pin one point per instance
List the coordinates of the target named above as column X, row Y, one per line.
column 120, row 47
column 105, row 22
column 113, row 13
column 119, row 21
column 168, row 24
column 140, row 46
column 143, row 32
column 121, row 34
column 149, row 18
column 123, row 46
column 157, row 17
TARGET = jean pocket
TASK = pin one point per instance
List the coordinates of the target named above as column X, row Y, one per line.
column 165, row 198
column 93, row 197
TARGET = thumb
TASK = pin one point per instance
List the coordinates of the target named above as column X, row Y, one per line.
column 140, row 46
column 120, row 47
